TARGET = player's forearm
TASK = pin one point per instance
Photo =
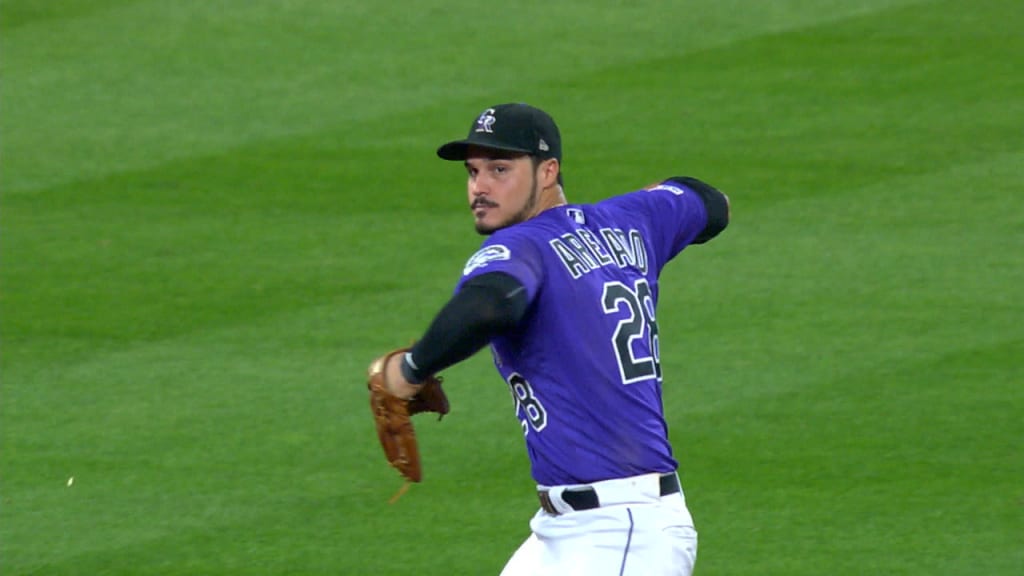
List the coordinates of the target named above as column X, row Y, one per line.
column 485, row 307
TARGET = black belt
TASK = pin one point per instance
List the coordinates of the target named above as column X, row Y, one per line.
column 586, row 498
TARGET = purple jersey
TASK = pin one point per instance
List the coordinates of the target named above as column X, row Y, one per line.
column 583, row 365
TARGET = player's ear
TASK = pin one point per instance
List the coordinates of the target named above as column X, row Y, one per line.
column 549, row 172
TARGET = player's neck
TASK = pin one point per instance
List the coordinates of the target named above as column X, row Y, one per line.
column 550, row 197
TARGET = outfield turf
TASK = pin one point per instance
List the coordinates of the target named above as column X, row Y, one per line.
column 215, row 214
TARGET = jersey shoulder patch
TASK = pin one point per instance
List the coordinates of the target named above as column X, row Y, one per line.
column 486, row 255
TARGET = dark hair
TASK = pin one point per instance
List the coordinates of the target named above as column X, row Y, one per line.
column 536, row 162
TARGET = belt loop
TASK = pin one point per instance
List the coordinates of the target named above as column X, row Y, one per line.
column 545, row 502
column 553, row 497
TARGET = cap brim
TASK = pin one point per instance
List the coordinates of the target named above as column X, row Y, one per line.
column 459, row 149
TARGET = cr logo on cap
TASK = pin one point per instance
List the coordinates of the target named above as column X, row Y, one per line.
column 486, row 121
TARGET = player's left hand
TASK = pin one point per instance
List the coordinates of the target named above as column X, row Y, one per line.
column 392, row 413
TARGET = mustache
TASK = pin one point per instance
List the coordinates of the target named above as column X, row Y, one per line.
column 482, row 202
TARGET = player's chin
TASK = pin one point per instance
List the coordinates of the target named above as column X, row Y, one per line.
column 487, row 226
column 484, row 228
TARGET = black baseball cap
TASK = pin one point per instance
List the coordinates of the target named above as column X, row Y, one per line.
column 510, row 127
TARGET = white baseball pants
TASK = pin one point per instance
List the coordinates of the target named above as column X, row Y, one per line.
column 635, row 532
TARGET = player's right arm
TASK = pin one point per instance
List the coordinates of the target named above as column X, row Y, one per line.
column 716, row 204
column 675, row 213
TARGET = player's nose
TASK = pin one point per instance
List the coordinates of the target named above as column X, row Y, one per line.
column 478, row 187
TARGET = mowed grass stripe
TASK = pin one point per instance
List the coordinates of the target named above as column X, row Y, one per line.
column 236, row 431
column 815, row 111
column 899, row 267
column 867, row 467
column 144, row 83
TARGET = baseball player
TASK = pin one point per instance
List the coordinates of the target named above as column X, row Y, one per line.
column 566, row 297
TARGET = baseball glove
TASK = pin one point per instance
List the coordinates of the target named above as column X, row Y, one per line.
column 392, row 416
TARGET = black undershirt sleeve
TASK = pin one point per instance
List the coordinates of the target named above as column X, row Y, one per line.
column 716, row 204
column 483, row 308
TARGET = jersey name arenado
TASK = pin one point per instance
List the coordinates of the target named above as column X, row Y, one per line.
column 584, row 366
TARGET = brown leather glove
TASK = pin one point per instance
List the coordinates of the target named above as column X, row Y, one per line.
column 391, row 415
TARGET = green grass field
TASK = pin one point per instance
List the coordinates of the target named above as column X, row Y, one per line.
column 215, row 214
